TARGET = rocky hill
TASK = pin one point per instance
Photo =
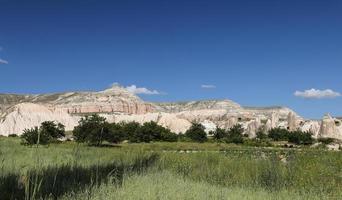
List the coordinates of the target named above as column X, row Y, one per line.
column 18, row 112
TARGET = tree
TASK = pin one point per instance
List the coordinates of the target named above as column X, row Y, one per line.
column 130, row 129
column 151, row 131
column 219, row 133
column 197, row 133
column 92, row 129
column 116, row 133
column 260, row 134
column 54, row 130
column 49, row 131
column 235, row 134
column 278, row 134
column 299, row 137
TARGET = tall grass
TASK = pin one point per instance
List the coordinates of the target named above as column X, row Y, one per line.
column 182, row 171
column 56, row 181
column 315, row 172
column 163, row 185
column 40, row 172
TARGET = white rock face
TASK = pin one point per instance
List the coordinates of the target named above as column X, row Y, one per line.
column 330, row 127
column 209, row 126
column 313, row 127
column 253, row 127
column 274, row 119
column 28, row 115
column 18, row 112
column 292, row 121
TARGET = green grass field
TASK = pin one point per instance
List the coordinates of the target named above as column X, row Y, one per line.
column 167, row 171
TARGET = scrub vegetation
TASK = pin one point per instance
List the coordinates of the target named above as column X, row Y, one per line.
column 166, row 170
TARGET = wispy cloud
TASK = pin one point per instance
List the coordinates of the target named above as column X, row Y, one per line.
column 208, row 86
column 317, row 94
column 142, row 90
column 3, row 61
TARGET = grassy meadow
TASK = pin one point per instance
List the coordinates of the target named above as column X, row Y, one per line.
column 162, row 170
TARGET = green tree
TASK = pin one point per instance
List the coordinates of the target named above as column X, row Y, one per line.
column 197, row 133
column 49, row 131
column 151, row 131
column 235, row 134
column 116, row 133
column 92, row 129
column 261, row 134
column 130, row 129
column 278, row 134
column 52, row 129
column 219, row 133
column 301, row 138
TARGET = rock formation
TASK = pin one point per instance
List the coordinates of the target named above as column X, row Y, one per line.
column 18, row 112
column 253, row 127
column 330, row 127
column 291, row 121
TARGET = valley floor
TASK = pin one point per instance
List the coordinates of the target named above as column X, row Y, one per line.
column 167, row 171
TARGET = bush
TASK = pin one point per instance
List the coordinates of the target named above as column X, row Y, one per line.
column 52, row 129
column 278, row 134
column 299, row 137
column 92, row 130
column 257, row 143
column 130, row 128
column 219, row 134
column 151, row 131
column 235, row 134
column 48, row 132
column 115, row 133
column 12, row 135
column 326, row 140
column 261, row 135
column 196, row 133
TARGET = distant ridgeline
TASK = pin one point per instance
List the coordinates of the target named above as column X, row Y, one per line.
column 18, row 112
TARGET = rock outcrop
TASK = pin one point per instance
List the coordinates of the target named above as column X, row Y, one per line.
column 331, row 128
column 18, row 112
column 291, row 121
column 253, row 127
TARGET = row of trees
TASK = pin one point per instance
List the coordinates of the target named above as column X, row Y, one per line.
column 296, row 137
column 94, row 130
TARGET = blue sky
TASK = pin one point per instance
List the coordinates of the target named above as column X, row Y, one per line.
column 257, row 53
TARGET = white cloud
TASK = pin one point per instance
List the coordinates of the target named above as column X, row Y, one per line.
column 208, row 86
column 141, row 90
column 3, row 61
column 317, row 94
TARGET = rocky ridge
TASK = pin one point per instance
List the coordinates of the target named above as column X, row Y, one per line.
column 18, row 112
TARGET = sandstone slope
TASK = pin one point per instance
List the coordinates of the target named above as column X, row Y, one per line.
column 18, row 112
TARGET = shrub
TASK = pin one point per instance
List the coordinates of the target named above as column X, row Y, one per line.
column 219, row 133
column 257, row 143
column 326, row 140
column 235, row 134
column 52, row 129
column 12, row 135
column 49, row 131
column 151, row 131
column 32, row 136
column 260, row 134
column 299, row 137
column 115, row 133
column 92, row 130
column 196, row 133
column 278, row 134
column 130, row 128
